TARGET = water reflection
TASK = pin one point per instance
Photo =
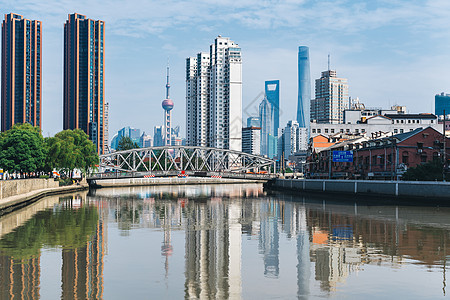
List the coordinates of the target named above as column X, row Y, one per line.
column 235, row 241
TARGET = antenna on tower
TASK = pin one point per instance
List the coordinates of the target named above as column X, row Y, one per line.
column 328, row 61
column 167, row 84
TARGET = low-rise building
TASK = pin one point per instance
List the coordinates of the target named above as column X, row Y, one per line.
column 391, row 123
column 385, row 157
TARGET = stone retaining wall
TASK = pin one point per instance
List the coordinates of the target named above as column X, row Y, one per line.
column 425, row 189
column 15, row 187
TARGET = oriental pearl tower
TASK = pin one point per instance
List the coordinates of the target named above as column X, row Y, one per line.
column 167, row 105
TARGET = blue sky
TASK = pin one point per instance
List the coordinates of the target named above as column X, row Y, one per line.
column 392, row 52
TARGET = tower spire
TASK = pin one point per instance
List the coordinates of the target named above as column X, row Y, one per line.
column 167, row 84
column 328, row 61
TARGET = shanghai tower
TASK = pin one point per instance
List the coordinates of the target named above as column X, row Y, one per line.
column 304, row 87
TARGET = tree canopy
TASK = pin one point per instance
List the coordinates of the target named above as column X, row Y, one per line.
column 126, row 143
column 22, row 149
column 430, row 171
column 70, row 149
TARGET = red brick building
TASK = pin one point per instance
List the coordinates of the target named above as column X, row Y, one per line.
column 382, row 158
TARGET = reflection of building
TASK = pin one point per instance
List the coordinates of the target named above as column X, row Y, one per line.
column 303, row 259
column 19, row 279
column 213, row 251
column 82, row 269
column 269, row 238
column 21, row 71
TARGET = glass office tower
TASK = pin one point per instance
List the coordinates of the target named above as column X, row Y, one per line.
column 272, row 90
column 304, row 87
column 21, row 71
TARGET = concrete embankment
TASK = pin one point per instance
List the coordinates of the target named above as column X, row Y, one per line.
column 410, row 189
column 166, row 181
column 18, row 193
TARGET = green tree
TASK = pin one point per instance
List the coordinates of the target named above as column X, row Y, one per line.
column 430, row 171
column 126, row 143
column 22, row 149
column 70, row 149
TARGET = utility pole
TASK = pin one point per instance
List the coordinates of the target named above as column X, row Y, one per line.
column 444, row 154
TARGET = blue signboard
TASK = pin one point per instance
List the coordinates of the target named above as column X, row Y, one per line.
column 343, row 156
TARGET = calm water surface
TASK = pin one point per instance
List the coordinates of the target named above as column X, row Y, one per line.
column 221, row 242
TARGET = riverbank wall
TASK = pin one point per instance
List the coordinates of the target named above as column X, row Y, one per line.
column 105, row 183
column 18, row 193
column 404, row 189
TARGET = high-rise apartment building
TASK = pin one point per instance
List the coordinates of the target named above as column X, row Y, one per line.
column 84, row 84
column 304, row 87
column 198, row 99
column 21, row 71
column 272, row 90
column 292, row 140
column 214, row 96
column 331, row 99
column 441, row 103
column 251, row 140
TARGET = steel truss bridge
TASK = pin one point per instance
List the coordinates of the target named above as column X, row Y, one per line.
column 186, row 161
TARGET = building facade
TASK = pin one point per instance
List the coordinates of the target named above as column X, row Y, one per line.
column 304, row 87
column 331, row 99
column 251, row 140
column 214, row 96
column 21, row 71
column 84, row 78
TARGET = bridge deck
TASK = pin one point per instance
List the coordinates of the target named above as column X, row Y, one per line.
column 173, row 173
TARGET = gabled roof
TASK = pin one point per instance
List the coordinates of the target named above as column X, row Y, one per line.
column 378, row 116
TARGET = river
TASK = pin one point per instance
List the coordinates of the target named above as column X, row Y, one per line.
column 221, row 242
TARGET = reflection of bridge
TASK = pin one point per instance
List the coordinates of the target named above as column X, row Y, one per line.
column 183, row 160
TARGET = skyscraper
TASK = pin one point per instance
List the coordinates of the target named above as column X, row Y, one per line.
column 197, row 99
column 84, row 85
column 214, row 96
column 268, row 139
column 304, row 87
column 21, row 71
column 167, row 105
column 331, row 99
column 272, row 90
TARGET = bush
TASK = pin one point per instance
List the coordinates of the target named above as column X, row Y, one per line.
column 44, row 177
column 65, row 181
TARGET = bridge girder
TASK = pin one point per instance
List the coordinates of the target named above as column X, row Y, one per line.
column 185, row 158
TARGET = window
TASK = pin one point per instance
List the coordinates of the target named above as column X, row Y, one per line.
column 401, row 130
column 405, row 157
column 419, row 145
column 332, row 130
column 423, row 158
column 395, row 130
column 326, row 130
column 318, row 130
column 314, row 130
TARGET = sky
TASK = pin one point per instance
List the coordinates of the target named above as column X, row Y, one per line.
column 391, row 52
